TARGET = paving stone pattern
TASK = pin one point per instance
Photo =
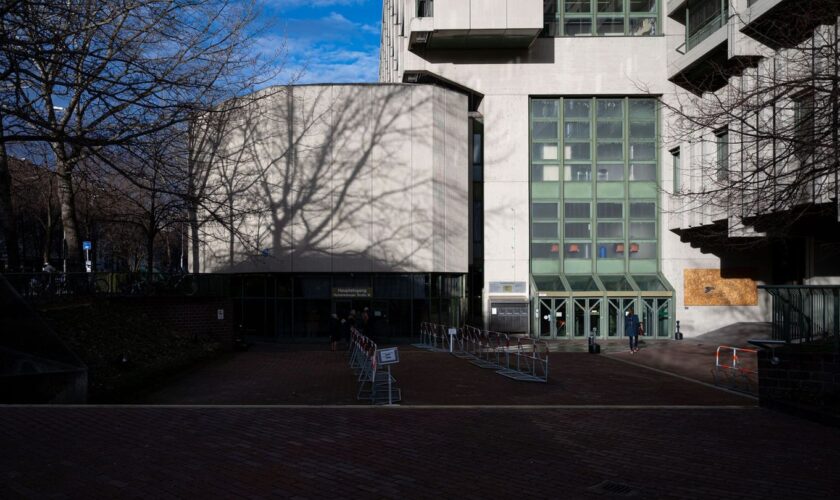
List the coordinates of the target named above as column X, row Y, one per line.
column 154, row 452
column 427, row 378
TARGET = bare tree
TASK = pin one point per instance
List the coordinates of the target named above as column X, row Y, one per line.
column 764, row 149
column 87, row 76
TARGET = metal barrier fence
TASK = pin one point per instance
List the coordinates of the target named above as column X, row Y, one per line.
column 736, row 368
column 375, row 384
column 527, row 361
column 803, row 314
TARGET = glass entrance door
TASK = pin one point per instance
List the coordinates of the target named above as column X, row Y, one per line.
column 553, row 318
column 587, row 318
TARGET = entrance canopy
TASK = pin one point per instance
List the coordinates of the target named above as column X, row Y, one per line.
column 617, row 285
column 580, row 305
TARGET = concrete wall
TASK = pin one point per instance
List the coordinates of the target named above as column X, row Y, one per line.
column 343, row 178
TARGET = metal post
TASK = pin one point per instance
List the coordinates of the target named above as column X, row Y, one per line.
column 390, row 401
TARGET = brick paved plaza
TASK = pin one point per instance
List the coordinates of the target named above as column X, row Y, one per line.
column 646, row 433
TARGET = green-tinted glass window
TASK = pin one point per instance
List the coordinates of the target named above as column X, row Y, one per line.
column 600, row 17
column 583, row 208
column 675, row 164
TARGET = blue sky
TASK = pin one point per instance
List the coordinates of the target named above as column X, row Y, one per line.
column 334, row 41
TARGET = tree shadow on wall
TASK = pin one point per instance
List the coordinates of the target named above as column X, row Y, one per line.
column 350, row 178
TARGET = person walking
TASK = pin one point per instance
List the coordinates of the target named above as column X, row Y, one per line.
column 350, row 325
column 632, row 328
column 335, row 331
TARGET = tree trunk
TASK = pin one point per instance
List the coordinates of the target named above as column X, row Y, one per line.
column 7, row 214
column 194, row 240
column 67, row 200
column 232, row 236
column 150, row 255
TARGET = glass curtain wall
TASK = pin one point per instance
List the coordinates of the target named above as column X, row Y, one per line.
column 600, row 18
column 594, row 186
column 594, row 216
column 298, row 306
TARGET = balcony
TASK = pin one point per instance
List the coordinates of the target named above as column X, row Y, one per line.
column 786, row 23
column 713, row 49
column 475, row 24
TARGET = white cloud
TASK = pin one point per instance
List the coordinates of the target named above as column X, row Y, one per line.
column 332, row 49
column 312, row 3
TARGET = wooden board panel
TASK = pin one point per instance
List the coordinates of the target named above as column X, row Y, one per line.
column 706, row 287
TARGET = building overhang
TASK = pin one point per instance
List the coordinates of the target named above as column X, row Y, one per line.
column 786, row 23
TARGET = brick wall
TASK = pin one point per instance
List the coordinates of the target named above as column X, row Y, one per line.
column 802, row 382
column 198, row 316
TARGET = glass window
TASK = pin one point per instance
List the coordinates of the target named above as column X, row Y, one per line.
column 642, row 172
column 578, row 250
column 610, row 26
column 615, row 283
column 578, row 230
column 642, row 26
column 609, row 108
column 577, row 26
column 803, row 107
column 643, row 250
column 649, row 283
column 546, row 173
column 545, row 250
column 722, row 143
column 544, row 210
column 643, row 151
column 643, row 230
column 642, row 210
column 643, row 6
column 675, row 164
column 576, row 108
column 610, row 250
column 545, row 152
column 582, row 283
column 610, row 229
column 545, row 130
column 610, row 130
column 544, row 230
column 576, row 130
column 610, row 151
column 577, row 210
column 642, row 130
column 549, row 284
column 601, row 17
column 577, row 6
column 610, row 172
column 643, row 109
column 610, row 210
column 545, row 108
column 578, row 173
column 577, row 151
column 610, row 5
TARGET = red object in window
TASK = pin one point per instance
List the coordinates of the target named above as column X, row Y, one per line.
column 634, row 247
column 555, row 247
column 574, row 248
column 619, row 248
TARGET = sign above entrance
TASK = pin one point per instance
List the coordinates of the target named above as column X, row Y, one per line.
column 508, row 287
column 351, row 293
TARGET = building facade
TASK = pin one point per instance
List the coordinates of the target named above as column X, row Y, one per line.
column 591, row 187
column 543, row 167
column 331, row 198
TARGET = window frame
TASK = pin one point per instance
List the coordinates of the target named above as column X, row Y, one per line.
column 554, row 20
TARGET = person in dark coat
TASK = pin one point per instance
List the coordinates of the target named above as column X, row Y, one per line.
column 632, row 328
column 335, row 331
column 350, row 324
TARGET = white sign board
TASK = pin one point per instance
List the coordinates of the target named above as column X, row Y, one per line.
column 220, row 313
column 387, row 356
